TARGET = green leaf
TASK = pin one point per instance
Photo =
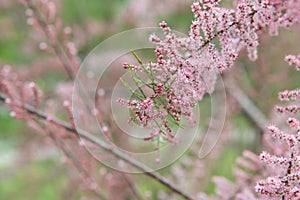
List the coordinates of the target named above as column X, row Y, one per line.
column 131, row 90
column 136, row 80
column 141, row 63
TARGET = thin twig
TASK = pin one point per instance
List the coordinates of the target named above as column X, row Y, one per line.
column 108, row 148
column 132, row 187
column 78, row 165
column 218, row 33
column 58, row 49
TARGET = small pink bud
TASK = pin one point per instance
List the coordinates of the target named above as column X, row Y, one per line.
column 13, row 114
column 67, row 30
column 66, row 103
column 105, row 129
column 81, row 143
column 158, row 160
column 8, row 101
column 43, row 46
column 31, row 85
column 29, row 12
column 30, row 21
column 49, row 119
column 101, row 92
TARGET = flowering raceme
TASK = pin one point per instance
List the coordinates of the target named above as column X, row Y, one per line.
column 284, row 182
column 187, row 67
column 17, row 94
column 293, row 60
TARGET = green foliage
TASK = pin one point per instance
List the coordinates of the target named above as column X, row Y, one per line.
column 101, row 10
column 9, row 127
column 36, row 181
column 223, row 166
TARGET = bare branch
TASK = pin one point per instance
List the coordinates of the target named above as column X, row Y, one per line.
column 252, row 111
column 78, row 165
column 58, row 49
column 108, row 148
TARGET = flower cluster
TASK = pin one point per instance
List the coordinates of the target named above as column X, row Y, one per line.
column 245, row 172
column 143, row 110
column 284, row 182
column 288, row 95
column 293, row 60
column 18, row 94
column 187, row 67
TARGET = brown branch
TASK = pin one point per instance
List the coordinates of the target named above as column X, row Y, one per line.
column 108, row 148
column 252, row 111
